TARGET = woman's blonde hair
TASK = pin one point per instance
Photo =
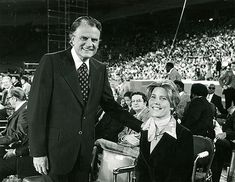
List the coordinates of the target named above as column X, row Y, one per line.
column 171, row 89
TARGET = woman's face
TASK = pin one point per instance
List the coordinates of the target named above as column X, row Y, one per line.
column 159, row 104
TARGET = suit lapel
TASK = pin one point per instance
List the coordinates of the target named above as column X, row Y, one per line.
column 70, row 75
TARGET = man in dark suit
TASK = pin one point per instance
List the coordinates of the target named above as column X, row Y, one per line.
column 14, row 139
column 199, row 113
column 63, row 103
column 227, row 82
column 216, row 100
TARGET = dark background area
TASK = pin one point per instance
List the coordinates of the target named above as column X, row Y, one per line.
column 23, row 23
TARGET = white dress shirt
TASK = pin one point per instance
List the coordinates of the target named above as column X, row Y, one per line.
column 78, row 62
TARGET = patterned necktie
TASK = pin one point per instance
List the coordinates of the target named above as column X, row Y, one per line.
column 83, row 80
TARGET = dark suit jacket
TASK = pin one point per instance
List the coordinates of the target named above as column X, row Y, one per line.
column 216, row 100
column 17, row 127
column 229, row 127
column 170, row 161
column 60, row 125
column 198, row 117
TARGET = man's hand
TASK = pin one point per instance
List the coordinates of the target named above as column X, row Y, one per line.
column 132, row 139
column 41, row 164
column 10, row 153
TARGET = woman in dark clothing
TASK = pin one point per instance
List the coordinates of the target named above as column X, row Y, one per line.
column 166, row 147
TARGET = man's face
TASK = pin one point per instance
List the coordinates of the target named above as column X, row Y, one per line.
column 211, row 89
column 179, row 88
column 11, row 100
column 168, row 68
column 85, row 41
column 13, row 79
column 6, row 82
column 127, row 101
column 137, row 103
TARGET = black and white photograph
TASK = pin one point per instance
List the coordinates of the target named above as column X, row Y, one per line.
column 117, row 91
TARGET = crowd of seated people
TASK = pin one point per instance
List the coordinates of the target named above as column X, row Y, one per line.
column 8, row 82
column 14, row 138
column 197, row 113
column 197, row 56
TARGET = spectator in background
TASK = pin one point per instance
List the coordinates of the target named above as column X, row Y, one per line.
column 14, row 138
column 166, row 147
column 172, row 73
column 4, row 108
column 7, row 86
column 16, row 81
column 184, row 99
column 224, row 144
column 227, row 82
column 199, row 113
column 124, row 85
column 139, row 105
column 218, row 67
column 216, row 100
column 127, row 98
column 25, row 85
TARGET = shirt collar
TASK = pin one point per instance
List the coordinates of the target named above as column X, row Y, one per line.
column 209, row 97
column 78, row 62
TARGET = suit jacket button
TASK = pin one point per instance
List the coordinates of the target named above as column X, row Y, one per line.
column 80, row 132
column 84, row 117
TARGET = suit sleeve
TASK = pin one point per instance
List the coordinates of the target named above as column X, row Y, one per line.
column 192, row 115
column 38, row 107
column 110, row 106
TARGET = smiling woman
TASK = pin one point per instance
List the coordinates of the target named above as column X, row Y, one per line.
column 164, row 142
